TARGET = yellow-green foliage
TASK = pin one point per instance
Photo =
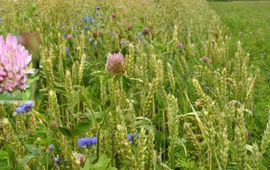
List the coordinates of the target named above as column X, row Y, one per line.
column 185, row 107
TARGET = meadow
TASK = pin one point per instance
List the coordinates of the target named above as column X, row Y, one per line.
column 122, row 88
column 249, row 22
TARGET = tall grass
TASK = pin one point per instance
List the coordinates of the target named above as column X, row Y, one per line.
column 185, row 107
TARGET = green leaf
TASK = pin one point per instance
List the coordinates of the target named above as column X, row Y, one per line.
column 102, row 163
column 32, row 80
column 81, row 128
column 33, row 149
column 25, row 160
column 4, row 155
column 126, row 82
column 26, row 95
column 65, row 132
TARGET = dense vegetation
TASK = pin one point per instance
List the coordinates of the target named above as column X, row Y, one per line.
column 179, row 97
column 250, row 23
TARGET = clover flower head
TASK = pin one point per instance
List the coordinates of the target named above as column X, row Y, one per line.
column 114, row 15
column 146, row 30
column 85, row 142
column 180, row 46
column 79, row 158
column 68, row 36
column 14, row 60
column 206, row 59
column 115, row 64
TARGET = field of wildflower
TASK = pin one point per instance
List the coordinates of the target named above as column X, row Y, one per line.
column 119, row 84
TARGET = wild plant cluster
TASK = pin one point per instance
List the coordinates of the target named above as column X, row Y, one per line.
column 131, row 85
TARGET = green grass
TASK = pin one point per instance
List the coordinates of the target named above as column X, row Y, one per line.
column 249, row 22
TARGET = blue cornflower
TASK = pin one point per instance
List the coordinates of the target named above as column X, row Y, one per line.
column 91, row 19
column 85, row 19
column 87, row 28
column 130, row 137
column 84, row 142
column 67, row 51
column 57, row 160
column 98, row 8
column 25, row 107
column 65, row 36
column 51, row 147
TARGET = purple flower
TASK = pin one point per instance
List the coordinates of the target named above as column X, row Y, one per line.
column 85, row 142
column 146, row 30
column 114, row 15
column 57, row 160
column 51, row 147
column 130, row 137
column 85, row 19
column 91, row 19
column 180, row 46
column 25, row 107
column 14, row 61
column 115, row 64
column 68, row 36
column 67, row 51
column 87, row 28
column 98, row 8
